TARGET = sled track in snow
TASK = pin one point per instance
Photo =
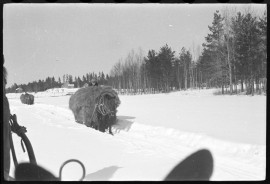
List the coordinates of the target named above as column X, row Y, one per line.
column 166, row 142
column 176, row 144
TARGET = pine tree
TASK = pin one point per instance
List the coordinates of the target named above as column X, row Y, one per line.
column 75, row 82
column 79, row 82
column 229, row 44
column 239, row 48
column 59, row 82
column 247, row 55
column 185, row 62
column 263, row 49
column 64, row 78
column 214, row 48
column 87, row 77
column 166, row 58
column 153, row 69
column 84, row 79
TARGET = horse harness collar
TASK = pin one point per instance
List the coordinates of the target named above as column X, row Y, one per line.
column 20, row 131
column 101, row 107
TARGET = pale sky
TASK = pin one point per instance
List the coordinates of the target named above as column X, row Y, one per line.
column 45, row 40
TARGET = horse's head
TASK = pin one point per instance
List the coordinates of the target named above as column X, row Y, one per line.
column 110, row 103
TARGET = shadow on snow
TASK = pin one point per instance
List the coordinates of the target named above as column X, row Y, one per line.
column 102, row 175
column 123, row 123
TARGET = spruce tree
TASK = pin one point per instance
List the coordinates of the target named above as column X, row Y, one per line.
column 166, row 58
column 214, row 49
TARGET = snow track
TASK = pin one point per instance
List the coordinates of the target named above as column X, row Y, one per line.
column 137, row 151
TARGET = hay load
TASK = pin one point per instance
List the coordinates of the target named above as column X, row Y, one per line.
column 95, row 107
column 27, row 99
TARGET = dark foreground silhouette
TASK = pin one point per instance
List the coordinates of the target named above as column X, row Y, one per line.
column 197, row 166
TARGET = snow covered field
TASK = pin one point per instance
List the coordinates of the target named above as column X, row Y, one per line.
column 153, row 134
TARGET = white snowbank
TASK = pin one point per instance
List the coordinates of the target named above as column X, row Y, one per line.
column 54, row 92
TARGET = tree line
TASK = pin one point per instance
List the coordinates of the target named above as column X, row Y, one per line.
column 234, row 52
column 50, row 82
column 159, row 71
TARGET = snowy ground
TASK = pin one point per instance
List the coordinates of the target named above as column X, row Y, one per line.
column 153, row 134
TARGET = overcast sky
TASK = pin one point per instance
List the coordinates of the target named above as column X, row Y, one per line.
column 42, row 40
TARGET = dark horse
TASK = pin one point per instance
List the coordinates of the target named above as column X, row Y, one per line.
column 107, row 120
column 6, row 114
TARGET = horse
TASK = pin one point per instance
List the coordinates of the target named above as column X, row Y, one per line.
column 107, row 118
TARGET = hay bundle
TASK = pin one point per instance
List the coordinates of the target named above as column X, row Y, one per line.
column 27, row 99
column 95, row 106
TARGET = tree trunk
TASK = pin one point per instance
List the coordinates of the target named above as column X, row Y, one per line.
column 222, row 87
column 265, row 85
column 252, row 86
column 247, row 87
column 186, row 80
column 242, row 85
column 257, row 85
column 236, row 82
column 231, row 84
column 230, row 67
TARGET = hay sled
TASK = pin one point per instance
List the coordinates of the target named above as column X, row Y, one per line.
column 27, row 99
column 95, row 107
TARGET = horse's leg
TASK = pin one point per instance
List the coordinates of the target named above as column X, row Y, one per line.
column 96, row 126
column 104, row 123
column 110, row 130
column 113, row 121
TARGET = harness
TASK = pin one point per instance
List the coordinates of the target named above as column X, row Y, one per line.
column 101, row 107
column 20, row 131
